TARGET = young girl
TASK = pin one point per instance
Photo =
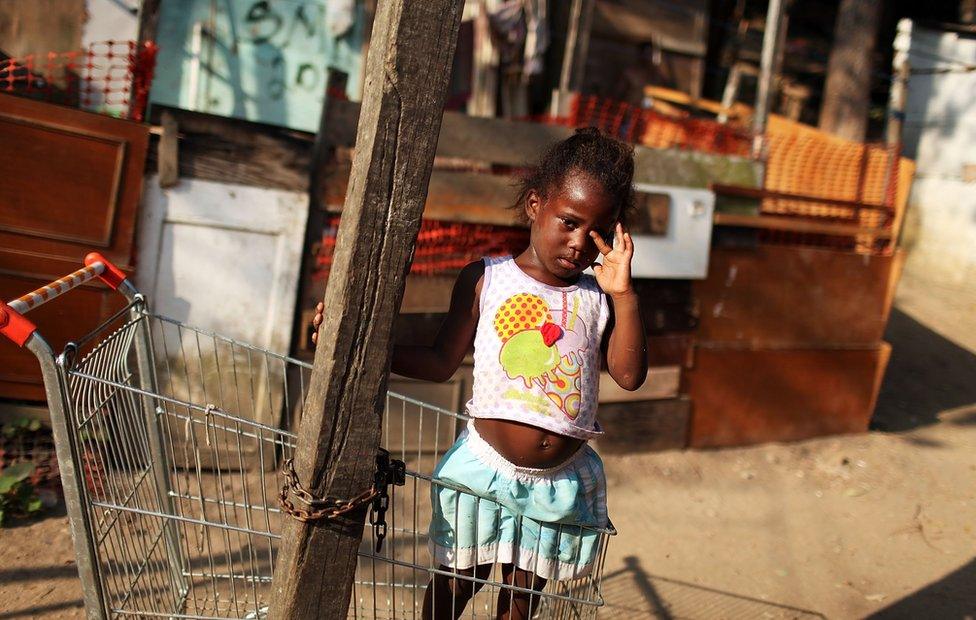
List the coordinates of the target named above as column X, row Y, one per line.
column 541, row 330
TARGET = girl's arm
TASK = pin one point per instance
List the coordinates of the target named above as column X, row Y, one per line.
column 437, row 362
column 626, row 345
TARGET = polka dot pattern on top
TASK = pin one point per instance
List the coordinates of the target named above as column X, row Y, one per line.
column 521, row 312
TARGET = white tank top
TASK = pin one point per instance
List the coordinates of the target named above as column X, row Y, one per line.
column 537, row 351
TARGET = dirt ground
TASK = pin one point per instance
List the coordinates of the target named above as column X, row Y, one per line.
column 879, row 525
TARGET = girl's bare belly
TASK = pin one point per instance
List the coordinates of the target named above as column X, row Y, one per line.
column 525, row 445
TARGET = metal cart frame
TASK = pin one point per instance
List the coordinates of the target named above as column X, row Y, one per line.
column 169, row 439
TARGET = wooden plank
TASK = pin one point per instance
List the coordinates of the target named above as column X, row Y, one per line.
column 36, row 27
column 169, row 152
column 453, row 196
column 745, row 397
column 780, row 296
column 662, row 382
column 406, row 81
column 500, row 141
column 146, row 30
column 794, row 224
column 676, row 96
column 692, row 169
column 495, row 140
column 764, row 194
column 230, row 150
column 647, row 426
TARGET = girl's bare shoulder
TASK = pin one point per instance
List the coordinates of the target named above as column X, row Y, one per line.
column 467, row 287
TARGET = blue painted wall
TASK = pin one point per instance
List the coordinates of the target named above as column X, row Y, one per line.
column 260, row 60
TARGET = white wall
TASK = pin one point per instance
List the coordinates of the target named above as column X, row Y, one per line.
column 111, row 20
column 940, row 134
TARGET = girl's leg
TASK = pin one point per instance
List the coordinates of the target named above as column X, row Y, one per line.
column 446, row 596
column 514, row 605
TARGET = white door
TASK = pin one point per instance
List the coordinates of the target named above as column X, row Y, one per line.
column 225, row 258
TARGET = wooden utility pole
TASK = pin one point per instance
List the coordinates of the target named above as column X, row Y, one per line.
column 847, row 92
column 406, row 81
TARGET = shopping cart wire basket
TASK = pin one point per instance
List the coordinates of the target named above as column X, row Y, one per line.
column 170, row 440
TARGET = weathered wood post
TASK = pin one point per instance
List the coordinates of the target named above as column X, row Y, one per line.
column 406, row 78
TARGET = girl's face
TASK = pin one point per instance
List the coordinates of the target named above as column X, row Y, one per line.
column 561, row 224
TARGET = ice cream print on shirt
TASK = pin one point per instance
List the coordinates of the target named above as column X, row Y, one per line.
column 544, row 348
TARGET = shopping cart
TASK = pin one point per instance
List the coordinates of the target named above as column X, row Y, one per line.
column 170, row 439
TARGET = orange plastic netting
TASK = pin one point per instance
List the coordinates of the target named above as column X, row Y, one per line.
column 110, row 77
column 441, row 246
column 654, row 129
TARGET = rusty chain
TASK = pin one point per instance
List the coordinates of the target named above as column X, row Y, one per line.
column 327, row 508
column 388, row 471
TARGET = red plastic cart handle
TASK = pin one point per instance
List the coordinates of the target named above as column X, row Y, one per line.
column 112, row 275
column 14, row 326
column 18, row 329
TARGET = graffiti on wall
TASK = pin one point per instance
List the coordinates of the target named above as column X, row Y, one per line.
column 260, row 60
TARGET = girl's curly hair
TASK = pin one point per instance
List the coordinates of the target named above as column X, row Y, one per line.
column 608, row 161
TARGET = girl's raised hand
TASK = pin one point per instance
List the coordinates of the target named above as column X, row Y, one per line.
column 613, row 272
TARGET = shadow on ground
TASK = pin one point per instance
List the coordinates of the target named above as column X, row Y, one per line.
column 31, row 612
column 927, row 375
column 950, row 597
column 631, row 592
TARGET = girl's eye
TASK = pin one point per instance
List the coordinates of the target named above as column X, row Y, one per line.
column 570, row 224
